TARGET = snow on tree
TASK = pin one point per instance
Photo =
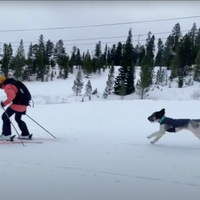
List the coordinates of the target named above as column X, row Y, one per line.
column 52, row 75
column 88, row 89
column 196, row 70
column 78, row 83
column 141, row 90
column 110, row 81
column 160, row 76
column 105, row 93
column 122, row 90
column 143, row 84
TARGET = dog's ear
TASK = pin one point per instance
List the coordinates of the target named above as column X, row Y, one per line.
column 163, row 111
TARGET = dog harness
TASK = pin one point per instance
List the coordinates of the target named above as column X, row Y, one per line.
column 172, row 124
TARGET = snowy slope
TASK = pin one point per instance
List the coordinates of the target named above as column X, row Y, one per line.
column 101, row 151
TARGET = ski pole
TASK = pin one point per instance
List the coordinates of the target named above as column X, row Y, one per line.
column 40, row 126
column 13, row 126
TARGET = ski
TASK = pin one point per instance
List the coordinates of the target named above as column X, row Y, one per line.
column 36, row 138
column 18, row 141
column 28, row 140
column 14, row 140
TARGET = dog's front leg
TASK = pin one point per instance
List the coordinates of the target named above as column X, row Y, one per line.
column 153, row 134
column 157, row 138
column 157, row 134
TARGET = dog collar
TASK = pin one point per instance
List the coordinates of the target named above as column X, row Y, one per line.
column 162, row 119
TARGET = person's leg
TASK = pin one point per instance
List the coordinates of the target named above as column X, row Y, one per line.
column 6, row 128
column 21, row 124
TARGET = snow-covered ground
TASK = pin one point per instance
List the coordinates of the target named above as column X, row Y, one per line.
column 101, row 151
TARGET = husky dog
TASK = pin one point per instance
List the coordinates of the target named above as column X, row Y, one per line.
column 172, row 125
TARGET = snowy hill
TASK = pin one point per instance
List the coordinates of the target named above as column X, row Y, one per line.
column 101, row 151
column 60, row 91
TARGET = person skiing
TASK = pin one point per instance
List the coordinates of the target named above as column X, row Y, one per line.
column 18, row 97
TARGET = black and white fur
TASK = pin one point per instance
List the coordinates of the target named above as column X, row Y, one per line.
column 172, row 125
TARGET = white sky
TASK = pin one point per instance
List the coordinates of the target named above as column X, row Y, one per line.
column 52, row 14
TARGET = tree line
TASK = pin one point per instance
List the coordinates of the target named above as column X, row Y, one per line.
column 180, row 53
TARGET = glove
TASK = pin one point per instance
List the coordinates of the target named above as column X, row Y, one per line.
column 2, row 105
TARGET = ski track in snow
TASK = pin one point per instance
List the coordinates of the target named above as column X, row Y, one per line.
column 95, row 173
column 101, row 151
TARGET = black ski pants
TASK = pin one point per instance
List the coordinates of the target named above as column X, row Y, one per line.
column 6, row 129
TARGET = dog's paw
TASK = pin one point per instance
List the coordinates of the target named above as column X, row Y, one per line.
column 152, row 142
column 148, row 137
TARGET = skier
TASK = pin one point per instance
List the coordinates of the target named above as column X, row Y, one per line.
column 19, row 97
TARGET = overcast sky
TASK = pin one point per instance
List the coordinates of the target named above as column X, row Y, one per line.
column 51, row 14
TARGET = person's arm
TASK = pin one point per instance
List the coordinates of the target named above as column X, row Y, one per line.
column 10, row 94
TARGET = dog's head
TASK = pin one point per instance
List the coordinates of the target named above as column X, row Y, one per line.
column 156, row 116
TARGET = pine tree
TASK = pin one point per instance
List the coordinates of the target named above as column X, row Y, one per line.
column 65, row 66
column 160, row 76
column 34, row 56
column 180, row 78
column 113, row 53
column 126, row 75
column 109, row 57
column 88, row 89
column 175, row 65
column 19, row 62
column 105, row 57
column 62, row 59
column 118, row 80
column 150, row 49
column 7, row 58
column 141, row 55
column 49, row 57
column 150, row 46
column 128, row 62
column 40, row 59
column 197, row 41
column 78, row 83
column 78, row 58
column 118, row 55
column 168, row 53
column 52, row 75
column 193, row 34
column 176, row 33
column 171, row 45
column 144, row 82
column 185, row 54
column 72, row 61
column 59, row 53
column 87, row 65
column 97, row 58
column 159, row 56
column 197, row 68
column 122, row 89
column 105, row 93
column 110, row 81
column 30, row 70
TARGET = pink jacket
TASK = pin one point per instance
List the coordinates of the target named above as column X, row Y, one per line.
column 11, row 91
